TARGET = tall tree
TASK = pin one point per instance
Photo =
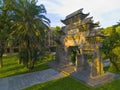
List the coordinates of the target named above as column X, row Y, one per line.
column 28, row 27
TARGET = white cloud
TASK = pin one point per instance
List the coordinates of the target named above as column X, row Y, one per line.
column 68, row 6
column 97, row 8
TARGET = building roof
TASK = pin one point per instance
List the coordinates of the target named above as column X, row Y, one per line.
column 74, row 13
column 78, row 14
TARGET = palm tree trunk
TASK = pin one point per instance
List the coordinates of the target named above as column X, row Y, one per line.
column 30, row 63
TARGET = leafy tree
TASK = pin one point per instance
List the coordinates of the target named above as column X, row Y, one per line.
column 2, row 33
column 27, row 22
column 55, row 33
column 28, row 28
column 111, row 46
column 107, row 31
column 57, row 28
column 5, row 22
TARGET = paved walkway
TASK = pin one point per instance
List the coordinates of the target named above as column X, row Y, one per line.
column 21, row 81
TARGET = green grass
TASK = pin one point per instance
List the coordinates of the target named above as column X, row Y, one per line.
column 11, row 66
column 69, row 83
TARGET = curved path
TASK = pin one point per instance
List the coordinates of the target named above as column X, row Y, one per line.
column 25, row 80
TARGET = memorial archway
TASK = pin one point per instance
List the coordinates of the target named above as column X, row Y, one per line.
column 81, row 31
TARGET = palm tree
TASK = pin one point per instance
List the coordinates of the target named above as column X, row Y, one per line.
column 28, row 27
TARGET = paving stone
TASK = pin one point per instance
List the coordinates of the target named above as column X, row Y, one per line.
column 25, row 80
column 84, row 76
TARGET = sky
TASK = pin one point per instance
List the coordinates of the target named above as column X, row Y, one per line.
column 107, row 12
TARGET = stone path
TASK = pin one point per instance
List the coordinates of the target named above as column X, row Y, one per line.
column 25, row 80
column 64, row 68
column 94, row 82
column 84, row 76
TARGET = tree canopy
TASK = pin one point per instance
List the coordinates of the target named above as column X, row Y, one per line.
column 111, row 45
column 26, row 22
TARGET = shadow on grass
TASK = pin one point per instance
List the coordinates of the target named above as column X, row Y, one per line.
column 16, row 70
column 11, row 66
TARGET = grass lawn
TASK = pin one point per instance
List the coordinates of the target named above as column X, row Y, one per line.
column 11, row 66
column 68, row 83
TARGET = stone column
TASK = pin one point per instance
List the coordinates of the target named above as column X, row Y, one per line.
column 96, row 66
column 78, row 63
column 86, row 65
column 101, row 70
column 82, row 53
column 58, row 54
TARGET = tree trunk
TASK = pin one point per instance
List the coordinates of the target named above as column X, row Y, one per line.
column 1, row 55
column 30, row 63
column 20, row 61
column 1, row 63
